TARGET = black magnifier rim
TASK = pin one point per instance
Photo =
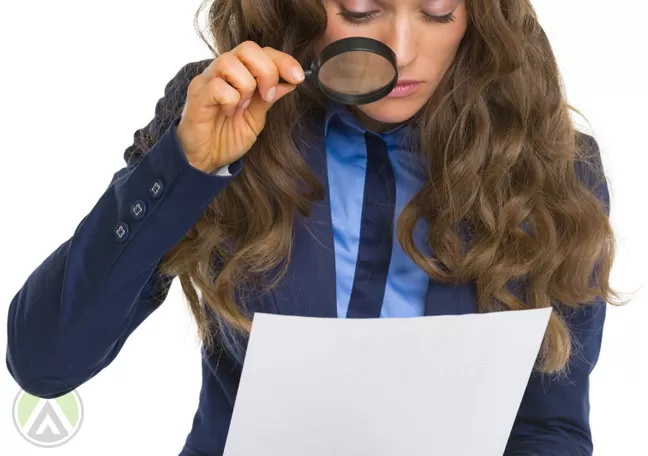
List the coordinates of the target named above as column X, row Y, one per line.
column 355, row 43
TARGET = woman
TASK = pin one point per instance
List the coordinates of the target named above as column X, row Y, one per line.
column 466, row 190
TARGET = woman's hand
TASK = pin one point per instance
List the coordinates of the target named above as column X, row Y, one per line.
column 226, row 105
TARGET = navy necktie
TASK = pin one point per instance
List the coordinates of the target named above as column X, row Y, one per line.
column 376, row 232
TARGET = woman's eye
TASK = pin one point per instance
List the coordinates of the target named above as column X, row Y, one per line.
column 356, row 17
column 446, row 18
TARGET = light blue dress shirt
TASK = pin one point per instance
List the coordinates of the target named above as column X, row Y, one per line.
column 407, row 284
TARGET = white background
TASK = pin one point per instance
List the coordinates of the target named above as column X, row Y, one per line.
column 78, row 78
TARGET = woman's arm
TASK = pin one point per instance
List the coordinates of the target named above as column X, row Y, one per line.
column 553, row 419
column 75, row 311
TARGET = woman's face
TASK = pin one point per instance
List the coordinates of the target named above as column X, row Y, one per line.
column 424, row 35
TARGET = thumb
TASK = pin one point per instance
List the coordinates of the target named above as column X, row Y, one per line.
column 259, row 107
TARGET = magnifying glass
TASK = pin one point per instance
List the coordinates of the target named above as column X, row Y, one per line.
column 354, row 71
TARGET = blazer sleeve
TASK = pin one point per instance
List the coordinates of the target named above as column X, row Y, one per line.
column 77, row 308
column 553, row 419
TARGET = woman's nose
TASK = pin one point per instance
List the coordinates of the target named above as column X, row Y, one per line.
column 402, row 42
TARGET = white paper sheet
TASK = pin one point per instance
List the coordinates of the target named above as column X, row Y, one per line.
column 443, row 385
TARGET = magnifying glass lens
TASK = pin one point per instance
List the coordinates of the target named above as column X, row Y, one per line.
column 354, row 70
column 356, row 73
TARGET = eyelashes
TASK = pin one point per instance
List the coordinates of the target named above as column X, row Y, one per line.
column 445, row 19
column 356, row 17
column 361, row 17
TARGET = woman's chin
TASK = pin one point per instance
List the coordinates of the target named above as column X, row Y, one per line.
column 390, row 111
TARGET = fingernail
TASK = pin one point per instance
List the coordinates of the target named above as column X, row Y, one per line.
column 247, row 103
column 298, row 73
column 270, row 96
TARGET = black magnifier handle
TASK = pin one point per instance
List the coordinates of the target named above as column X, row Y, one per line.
column 307, row 74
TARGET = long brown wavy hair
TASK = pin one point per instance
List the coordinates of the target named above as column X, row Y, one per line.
column 502, row 157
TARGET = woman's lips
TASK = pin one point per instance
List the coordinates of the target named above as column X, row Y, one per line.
column 404, row 88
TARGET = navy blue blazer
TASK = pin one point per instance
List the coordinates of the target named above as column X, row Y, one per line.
column 75, row 311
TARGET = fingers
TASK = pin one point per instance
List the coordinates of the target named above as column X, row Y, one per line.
column 234, row 78
column 235, row 72
column 219, row 92
column 288, row 67
column 261, row 68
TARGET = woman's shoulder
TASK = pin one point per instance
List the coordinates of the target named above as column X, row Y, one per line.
column 167, row 108
column 589, row 165
column 175, row 91
column 189, row 70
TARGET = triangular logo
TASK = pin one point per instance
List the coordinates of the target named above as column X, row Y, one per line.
column 47, row 427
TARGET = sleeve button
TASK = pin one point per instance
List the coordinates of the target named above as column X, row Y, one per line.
column 155, row 190
column 121, row 231
column 138, row 209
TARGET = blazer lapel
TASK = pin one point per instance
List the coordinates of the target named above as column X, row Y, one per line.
column 308, row 288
